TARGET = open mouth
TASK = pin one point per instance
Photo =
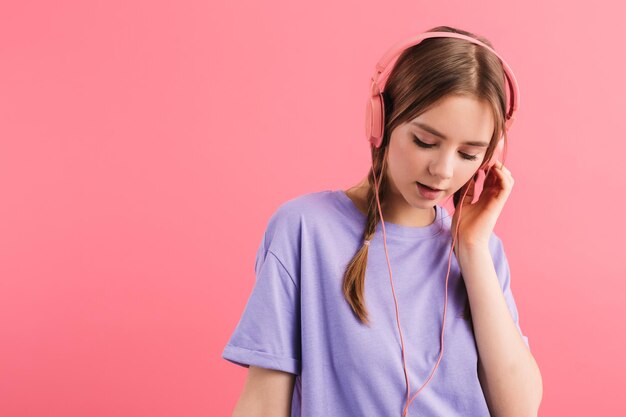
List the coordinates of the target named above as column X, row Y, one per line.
column 427, row 192
column 427, row 187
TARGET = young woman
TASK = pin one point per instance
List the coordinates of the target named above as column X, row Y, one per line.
column 347, row 316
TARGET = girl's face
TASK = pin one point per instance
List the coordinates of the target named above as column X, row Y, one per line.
column 445, row 158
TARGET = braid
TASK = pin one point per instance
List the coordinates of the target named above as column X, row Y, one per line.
column 354, row 277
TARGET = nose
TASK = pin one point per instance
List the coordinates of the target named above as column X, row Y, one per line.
column 442, row 167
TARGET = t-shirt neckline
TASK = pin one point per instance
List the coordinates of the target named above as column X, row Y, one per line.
column 392, row 229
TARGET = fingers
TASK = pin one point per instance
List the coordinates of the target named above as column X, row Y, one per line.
column 505, row 177
column 504, row 169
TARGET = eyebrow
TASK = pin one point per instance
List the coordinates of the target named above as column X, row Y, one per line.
column 436, row 133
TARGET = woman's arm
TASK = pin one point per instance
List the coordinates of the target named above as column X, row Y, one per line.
column 267, row 392
column 508, row 372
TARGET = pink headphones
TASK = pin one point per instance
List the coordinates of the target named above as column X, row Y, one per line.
column 374, row 124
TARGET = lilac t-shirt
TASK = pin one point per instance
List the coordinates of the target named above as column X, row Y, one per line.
column 297, row 320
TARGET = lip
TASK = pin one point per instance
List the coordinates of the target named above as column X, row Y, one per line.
column 426, row 193
column 433, row 188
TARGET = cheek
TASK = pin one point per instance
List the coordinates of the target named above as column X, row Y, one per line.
column 460, row 175
column 416, row 159
column 464, row 177
column 405, row 163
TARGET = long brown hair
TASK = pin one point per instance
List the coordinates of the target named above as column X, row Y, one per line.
column 422, row 75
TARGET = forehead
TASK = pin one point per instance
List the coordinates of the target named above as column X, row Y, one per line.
column 460, row 119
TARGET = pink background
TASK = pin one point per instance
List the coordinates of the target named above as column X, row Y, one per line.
column 144, row 145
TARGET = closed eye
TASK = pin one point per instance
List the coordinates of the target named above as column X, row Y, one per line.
column 421, row 144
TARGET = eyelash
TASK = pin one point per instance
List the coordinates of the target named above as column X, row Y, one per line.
column 427, row 146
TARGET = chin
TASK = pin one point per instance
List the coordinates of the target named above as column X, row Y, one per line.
column 420, row 203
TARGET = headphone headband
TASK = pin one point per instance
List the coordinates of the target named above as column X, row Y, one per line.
column 394, row 52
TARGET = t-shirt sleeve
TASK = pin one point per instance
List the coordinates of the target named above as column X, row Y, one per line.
column 268, row 332
column 504, row 276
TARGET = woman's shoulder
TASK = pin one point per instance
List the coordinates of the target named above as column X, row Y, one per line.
column 306, row 206
column 296, row 221
column 302, row 201
column 299, row 216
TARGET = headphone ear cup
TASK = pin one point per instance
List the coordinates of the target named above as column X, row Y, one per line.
column 497, row 153
column 374, row 119
column 509, row 122
column 483, row 171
